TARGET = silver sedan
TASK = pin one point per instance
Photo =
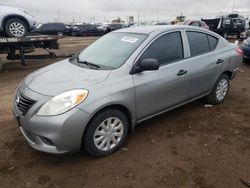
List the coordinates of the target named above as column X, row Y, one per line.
column 92, row 100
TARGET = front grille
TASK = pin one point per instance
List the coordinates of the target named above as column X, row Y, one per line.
column 24, row 103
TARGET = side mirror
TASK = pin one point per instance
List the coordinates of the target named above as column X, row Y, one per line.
column 146, row 65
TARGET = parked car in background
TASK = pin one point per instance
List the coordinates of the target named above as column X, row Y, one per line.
column 246, row 49
column 93, row 99
column 113, row 27
column 15, row 22
column 87, row 30
column 245, row 34
column 227, row 25
column 196, row 23
column 52, row 29
column 161, row 23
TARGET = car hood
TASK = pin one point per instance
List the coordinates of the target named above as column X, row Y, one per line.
column 63, row 76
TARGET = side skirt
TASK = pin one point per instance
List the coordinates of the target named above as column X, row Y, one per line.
column 169, row 109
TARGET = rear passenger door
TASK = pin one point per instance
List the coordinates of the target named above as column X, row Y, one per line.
column 170, row 85
column 206, row 62
column 51, row 29
column 92, row 30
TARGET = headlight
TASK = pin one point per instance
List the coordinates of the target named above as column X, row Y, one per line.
column 63, row 102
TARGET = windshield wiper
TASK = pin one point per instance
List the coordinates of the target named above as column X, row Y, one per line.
column 89, row 64
column 76, row 56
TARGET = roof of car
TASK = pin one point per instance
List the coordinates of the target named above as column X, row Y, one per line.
column 151, row 29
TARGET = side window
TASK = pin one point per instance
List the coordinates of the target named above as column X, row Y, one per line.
column 165, row 49
column 88, row 27
column 212, row 42
column 198, row 43
column 61, row 26
column 51, row 26
column 196, row 24
column 45, row 26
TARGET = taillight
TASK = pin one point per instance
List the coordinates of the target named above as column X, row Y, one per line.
column 239, row 51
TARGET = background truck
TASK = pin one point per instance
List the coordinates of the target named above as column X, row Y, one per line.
column 232, row 24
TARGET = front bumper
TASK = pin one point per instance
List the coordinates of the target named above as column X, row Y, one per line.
column 52, row 134
column 32, row 22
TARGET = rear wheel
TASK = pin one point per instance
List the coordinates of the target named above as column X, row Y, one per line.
column 220, row 90
column 15, row 28
column 225, row 35
column 106, row 132
column 60, row 33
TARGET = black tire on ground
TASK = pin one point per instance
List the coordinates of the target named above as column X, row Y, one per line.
column 60, row 33
column 212, row 97
column 15, row 20
column 225, row 35
column 88, row 137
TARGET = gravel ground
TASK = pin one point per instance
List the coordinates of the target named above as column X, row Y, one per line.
column 192, row 146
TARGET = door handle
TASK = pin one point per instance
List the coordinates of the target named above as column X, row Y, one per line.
column 219, row 61
column 182, row 72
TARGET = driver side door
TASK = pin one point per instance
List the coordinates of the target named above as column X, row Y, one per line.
column 167, row 87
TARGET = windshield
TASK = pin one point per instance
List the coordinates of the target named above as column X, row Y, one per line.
column 227, row 21
column 112, row 50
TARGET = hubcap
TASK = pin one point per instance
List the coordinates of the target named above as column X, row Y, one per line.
column 108, row 134
column 17, row 29
column 222, row 89
column 60, row 34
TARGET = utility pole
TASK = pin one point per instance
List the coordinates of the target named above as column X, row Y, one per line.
column 138, row 14
column 234, row 5
column 59, row 15
column 158, row 13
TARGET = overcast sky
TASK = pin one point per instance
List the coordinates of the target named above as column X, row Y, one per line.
column 101, row 10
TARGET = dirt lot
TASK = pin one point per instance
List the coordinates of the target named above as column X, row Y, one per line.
column 192, row 146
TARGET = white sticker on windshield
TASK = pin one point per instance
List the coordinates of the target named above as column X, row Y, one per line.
column 129, row 39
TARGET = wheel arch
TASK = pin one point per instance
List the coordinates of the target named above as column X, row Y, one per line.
column 229, row 74
column 120, row 107
column 13, row 16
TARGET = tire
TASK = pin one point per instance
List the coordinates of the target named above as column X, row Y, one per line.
column 218, row 96
column 225, row 35
column 95, row 147
column 15, row 28
column 60, row 33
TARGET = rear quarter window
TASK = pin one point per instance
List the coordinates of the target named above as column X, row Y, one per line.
column 212, row 42
column 198, row 43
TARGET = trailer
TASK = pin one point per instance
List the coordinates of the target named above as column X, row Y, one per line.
column 16, row 48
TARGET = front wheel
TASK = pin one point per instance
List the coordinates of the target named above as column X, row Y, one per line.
column 219, row 91
column 106, row 133
column 60, row 33
column 15, row 28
